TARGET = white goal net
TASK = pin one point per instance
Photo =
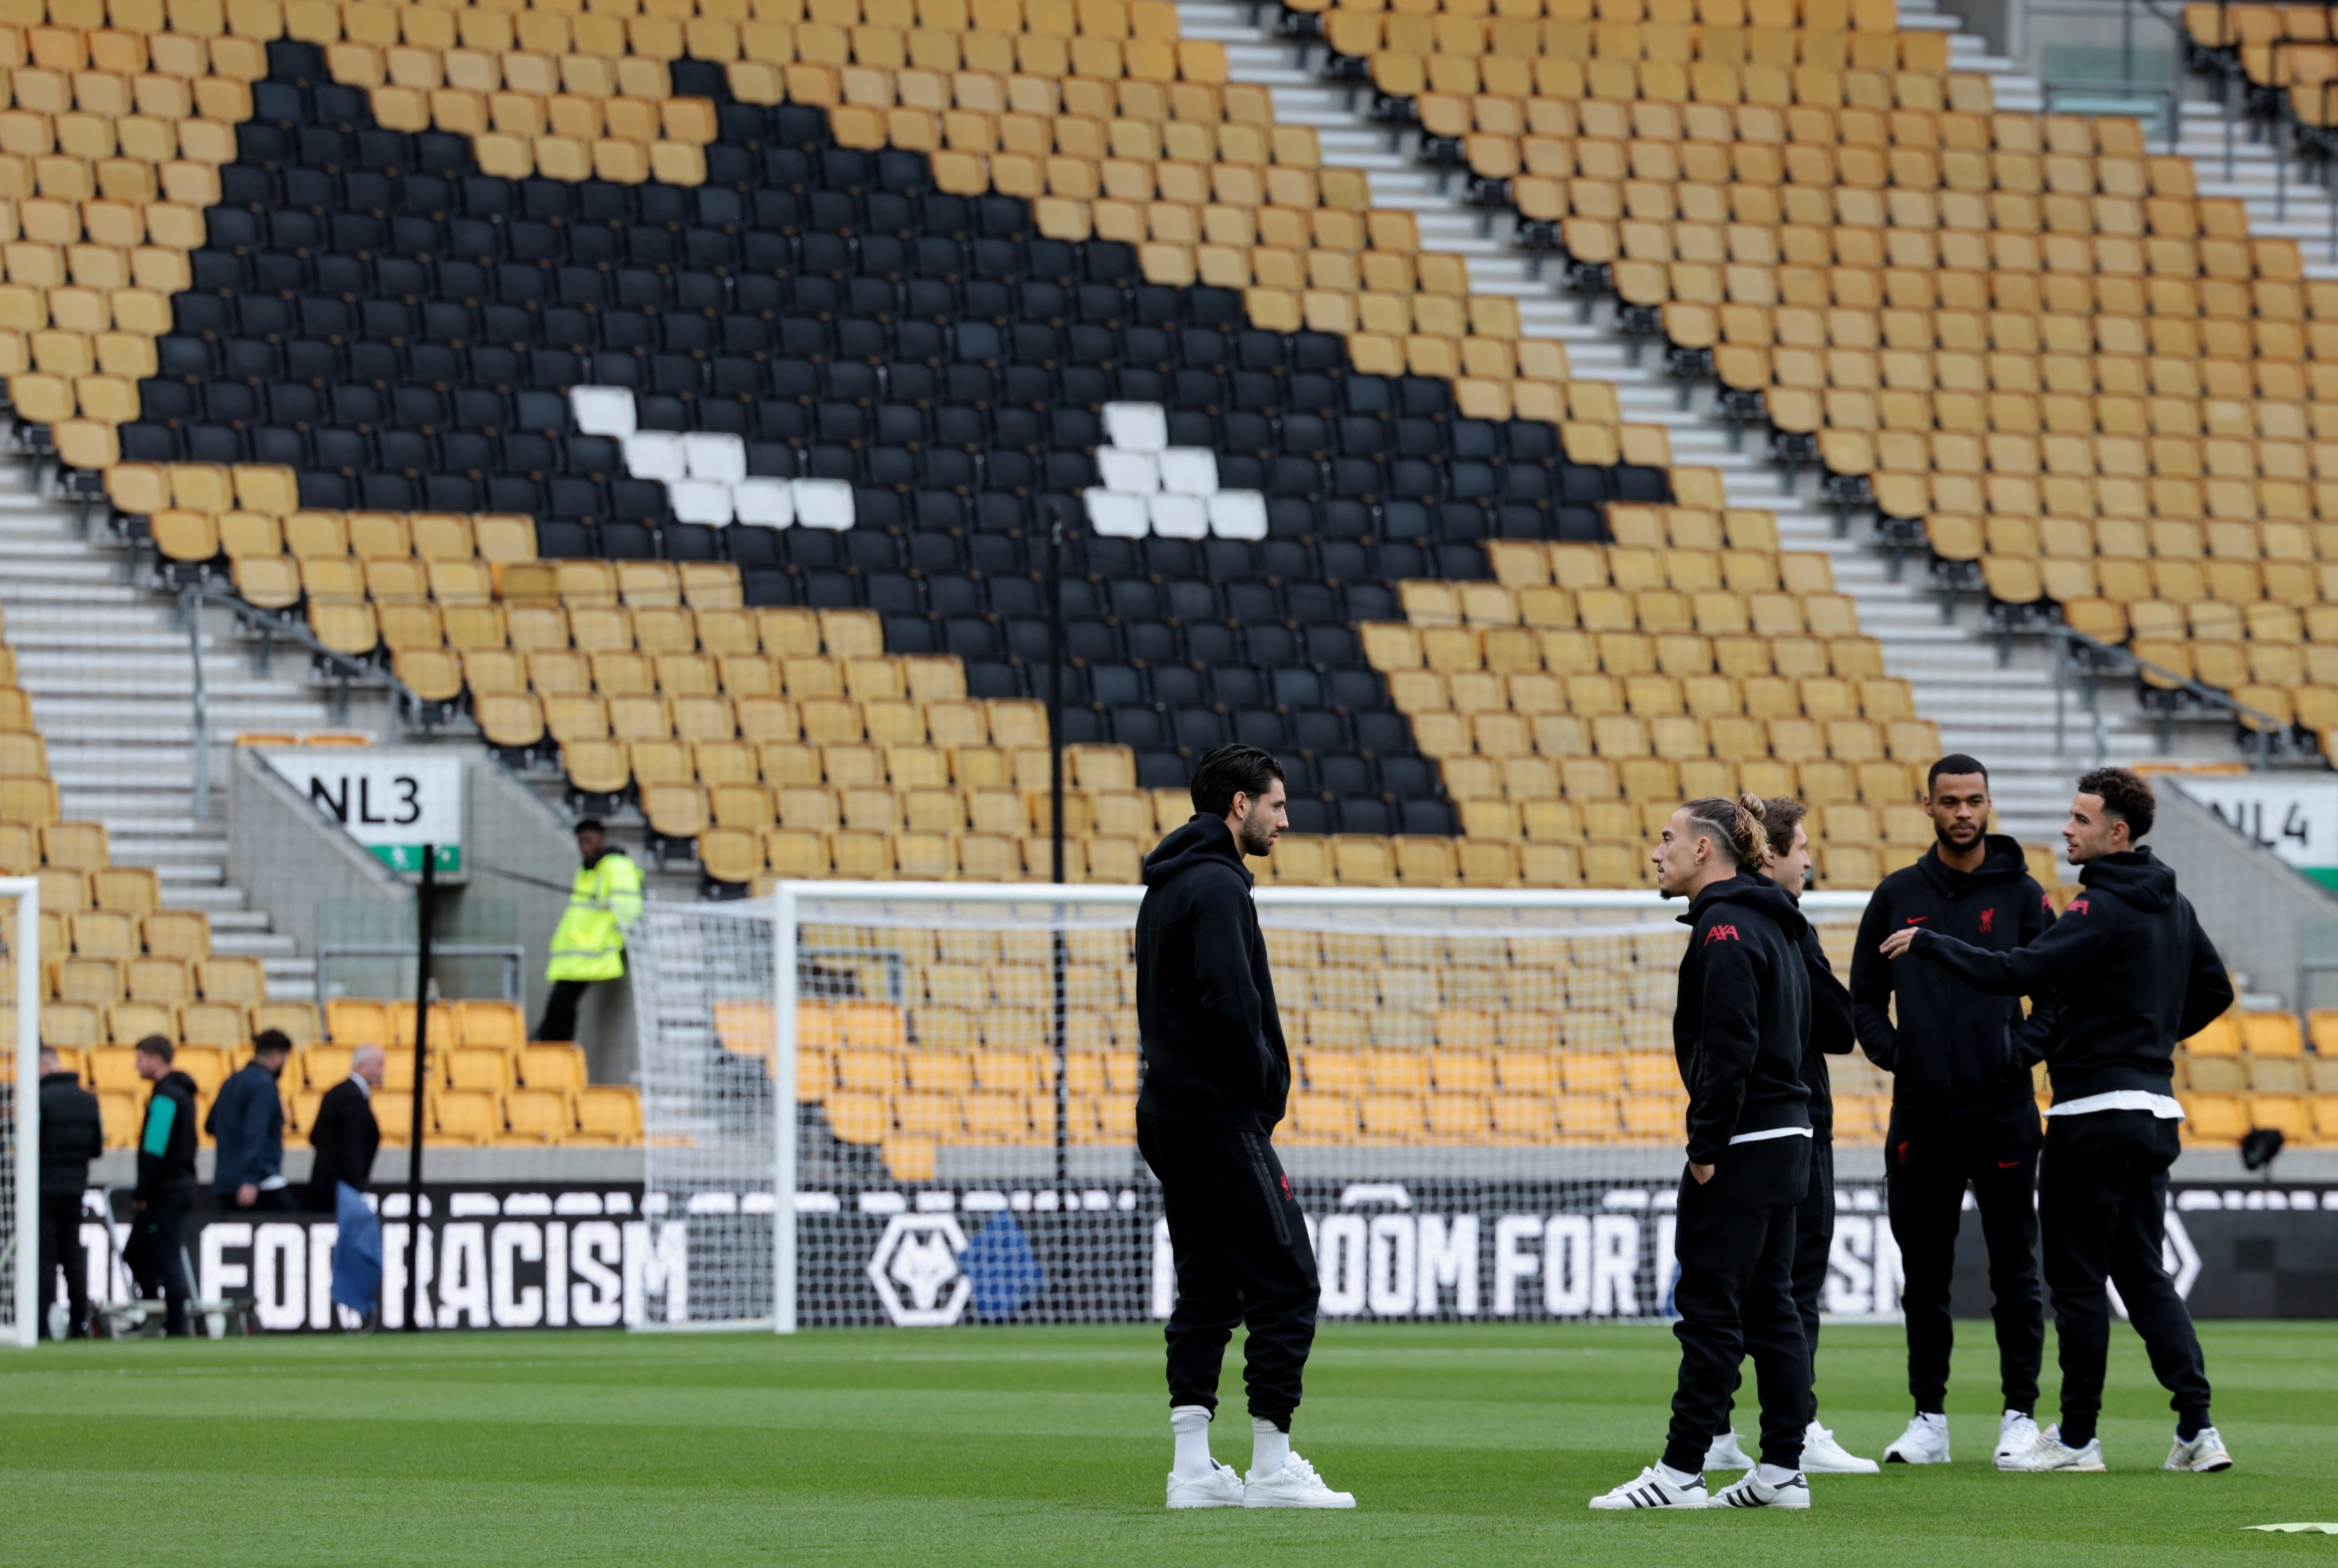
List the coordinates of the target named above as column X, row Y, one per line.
column 1485, row 1119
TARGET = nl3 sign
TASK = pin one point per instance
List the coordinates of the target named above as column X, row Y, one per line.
column 393, row 802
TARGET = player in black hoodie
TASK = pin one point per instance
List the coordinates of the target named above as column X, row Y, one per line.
column 166, row 1182
column 1961, row 1107
column 2134, row 974
column 1216, row 1076
column 1740, row 1019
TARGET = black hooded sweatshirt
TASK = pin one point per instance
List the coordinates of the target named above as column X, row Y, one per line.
column 1955, row 1051
column 1830, row 1032
column 2130, row 965
column 1742, row 1017
column 166, row 1141
column 1214, row 1050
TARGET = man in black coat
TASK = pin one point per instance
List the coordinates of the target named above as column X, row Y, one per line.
column 1788, row 864
column 345, row 1135
column 1741, row 1019
column 71, row 1135
column 1216, row 1075
column 2134, row 974
column 166, row 1184
column 1962, row 1107
column 247, row 1128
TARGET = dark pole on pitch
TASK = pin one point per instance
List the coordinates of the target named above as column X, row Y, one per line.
column 424, row 899
column 1055, row 807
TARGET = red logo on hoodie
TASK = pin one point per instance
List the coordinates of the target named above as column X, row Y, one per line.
column 1722, row 933
column 2075, row 906
column 1988, row 920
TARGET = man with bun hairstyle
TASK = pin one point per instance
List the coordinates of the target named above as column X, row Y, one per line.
column 1964, row 1115
column 2133, row 974
column 1787, row 863
column 1739, row 1023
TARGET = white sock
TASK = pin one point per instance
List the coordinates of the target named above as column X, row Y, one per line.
column 1270, row 1446
column 1677, row 1477
column 1191, row 1422
column 1774, row 1474
column 1933, row 1419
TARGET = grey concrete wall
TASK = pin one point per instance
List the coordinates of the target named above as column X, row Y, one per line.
column 289, row 858
column 2263, row 917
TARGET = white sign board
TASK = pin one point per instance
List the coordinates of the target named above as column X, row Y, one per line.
column 391, row 802
column 2294, row 817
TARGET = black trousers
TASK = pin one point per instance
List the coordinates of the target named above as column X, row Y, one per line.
column 559, row 1022
column 1242, row 1257
column 1813, row 1244
column 1928, row 1163
column 60, row 1247
column 157, row 1255
column 1734, row 1239
column 2102, row 1193
column 1813, row 1241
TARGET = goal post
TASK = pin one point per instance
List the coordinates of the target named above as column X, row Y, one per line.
column 20, row 1070
column 913, row 1104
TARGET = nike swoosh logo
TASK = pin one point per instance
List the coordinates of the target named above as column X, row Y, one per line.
column 2007, row 1164
column 1918, row 919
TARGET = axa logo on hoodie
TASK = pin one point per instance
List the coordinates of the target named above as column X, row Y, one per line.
column 1722, row 933
column 2076, row 906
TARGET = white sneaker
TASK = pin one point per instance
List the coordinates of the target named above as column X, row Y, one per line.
column 1755, row 1493
column 1221, row 1488
column 2050, row 1452
column 1725, row 1453
column 1822, row 1454
column 1649, row 1489
column 1926, row 1442
column 1295, row 1485
column 2016, row 1434
column 2205, row 1453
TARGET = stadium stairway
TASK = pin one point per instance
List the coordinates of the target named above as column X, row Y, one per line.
column 1991, row 698
column 107, row 663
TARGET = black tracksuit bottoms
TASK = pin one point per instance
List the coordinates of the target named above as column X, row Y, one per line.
column 1242, row 1257
column 1813, row 1244
column 158, row 1256
column 60, row 1247
column 1927, row 1163
column 1734, row 1239
column 2102, row 1193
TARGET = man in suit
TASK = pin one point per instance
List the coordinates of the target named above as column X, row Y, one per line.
column 71, row 1137
column 247, row 1123
column 345, row 1137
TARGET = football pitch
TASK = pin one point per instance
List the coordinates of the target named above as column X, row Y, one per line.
column 1462, row 1443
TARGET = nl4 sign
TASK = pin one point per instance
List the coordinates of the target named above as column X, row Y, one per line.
column 2298, row 821
column 393, row 802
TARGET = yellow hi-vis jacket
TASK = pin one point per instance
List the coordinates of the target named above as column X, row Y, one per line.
column 602, row 904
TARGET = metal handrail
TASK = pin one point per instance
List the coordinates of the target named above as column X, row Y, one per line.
column 2063, row 637
column 514, row 957
column 193, row 596
column 2168, row 94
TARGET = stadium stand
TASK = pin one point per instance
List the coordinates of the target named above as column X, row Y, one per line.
column 941, row 325
column 2088, row 389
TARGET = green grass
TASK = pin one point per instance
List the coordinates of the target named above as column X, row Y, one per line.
column 1463, row 1445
